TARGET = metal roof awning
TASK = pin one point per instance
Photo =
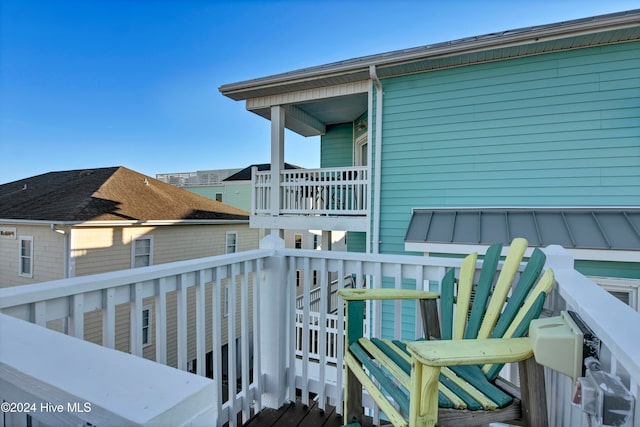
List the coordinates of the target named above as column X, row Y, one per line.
column 609, row 229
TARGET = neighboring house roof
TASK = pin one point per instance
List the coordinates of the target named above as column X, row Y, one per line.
column 572, row 228
column 245, row 174
column 106, row 194
column 599, row 30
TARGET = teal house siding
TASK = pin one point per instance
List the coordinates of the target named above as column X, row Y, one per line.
column 336, row 146
column 236, row 195
column 207, row 191
column 560, row 129
column 356, row 241
column 336, row 150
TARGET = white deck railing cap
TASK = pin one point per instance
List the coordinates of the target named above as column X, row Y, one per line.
column 122, row 389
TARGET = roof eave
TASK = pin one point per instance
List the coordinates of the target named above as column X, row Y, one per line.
column 358, row 69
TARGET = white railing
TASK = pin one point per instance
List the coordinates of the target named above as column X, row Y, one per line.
column 327, row 191
column 188, row 302
column 613, row 322
column 331, row 329
column 48, row 378
column 313, row 299
column 282, row 350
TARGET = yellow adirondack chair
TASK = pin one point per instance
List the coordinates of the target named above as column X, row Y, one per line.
column 451, row 378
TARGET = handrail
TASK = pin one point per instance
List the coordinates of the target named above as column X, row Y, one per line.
column 609, row 318
column 154, row 394
column 26, row 294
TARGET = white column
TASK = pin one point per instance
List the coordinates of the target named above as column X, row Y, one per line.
column 326, row 240
column 277, row 155
column 71, row 254
column 273, row 315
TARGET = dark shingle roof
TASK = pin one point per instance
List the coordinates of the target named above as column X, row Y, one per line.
column 245, row 174
column 578, row 228
column 103, row 194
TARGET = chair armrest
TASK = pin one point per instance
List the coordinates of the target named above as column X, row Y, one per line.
column 349, row 294
column 471, row 352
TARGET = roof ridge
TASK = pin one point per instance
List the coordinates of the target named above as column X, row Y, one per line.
column 89, row 197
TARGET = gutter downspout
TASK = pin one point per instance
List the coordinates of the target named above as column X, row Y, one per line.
column 65, row 248
column 378, row 160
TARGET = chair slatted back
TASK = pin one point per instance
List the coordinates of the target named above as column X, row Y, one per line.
column 495, row 311
column 483, row 289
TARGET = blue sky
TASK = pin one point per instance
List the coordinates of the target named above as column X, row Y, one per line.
column 93, row 83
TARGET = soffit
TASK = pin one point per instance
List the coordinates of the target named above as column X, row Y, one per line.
column 329, row 111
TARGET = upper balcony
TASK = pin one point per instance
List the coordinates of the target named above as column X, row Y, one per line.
column 259, row 309
column 319, row 199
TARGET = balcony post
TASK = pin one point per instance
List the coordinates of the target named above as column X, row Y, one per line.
column 277, row 155
column 558, row 258
column 274, row 329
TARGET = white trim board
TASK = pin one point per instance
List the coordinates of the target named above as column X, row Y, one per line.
column 578, row 254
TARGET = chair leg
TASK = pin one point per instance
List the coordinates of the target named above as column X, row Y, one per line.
column 353, row 398
column 423, row 406
column 532, row 389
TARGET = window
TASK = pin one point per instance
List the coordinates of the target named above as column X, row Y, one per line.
column 25, row 263
column 142, row 252
column 232, row 242
column 316, row 241
column 146, row 326
column 298, row 241
column 626, row 290
column 218, row 197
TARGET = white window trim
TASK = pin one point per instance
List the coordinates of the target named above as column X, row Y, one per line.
column 133, row 249
column 20, row 272
column 295, row 241
column 226, row 242
column 618, row 284
column 150, row 317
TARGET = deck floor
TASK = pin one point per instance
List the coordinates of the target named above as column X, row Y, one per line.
column 297, row 414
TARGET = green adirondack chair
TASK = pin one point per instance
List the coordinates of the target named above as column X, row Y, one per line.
column 451, row 378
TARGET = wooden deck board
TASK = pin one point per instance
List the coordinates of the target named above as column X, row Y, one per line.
column 297, row 414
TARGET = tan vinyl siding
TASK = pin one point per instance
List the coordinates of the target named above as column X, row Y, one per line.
column 48, row 255
column 170, row 244
column 99, row 249
column 172, row 354
column 187, row 242
column 93, row 326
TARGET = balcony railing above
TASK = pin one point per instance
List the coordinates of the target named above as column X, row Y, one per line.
column 327, row 191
